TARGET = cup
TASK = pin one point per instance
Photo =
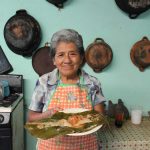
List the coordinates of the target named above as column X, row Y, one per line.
column 136, row 115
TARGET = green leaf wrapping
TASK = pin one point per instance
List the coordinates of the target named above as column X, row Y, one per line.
column 43, row 129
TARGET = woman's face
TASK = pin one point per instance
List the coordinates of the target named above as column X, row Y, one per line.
column 67, row 59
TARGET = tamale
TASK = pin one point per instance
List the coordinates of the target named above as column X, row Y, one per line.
column 65, row 123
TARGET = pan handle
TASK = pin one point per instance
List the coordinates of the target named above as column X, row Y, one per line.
column 99, row 40
column 21, row 12
column 145, row 38
column 47, row 44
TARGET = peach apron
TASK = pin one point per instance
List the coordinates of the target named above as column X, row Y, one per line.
column 69, row 96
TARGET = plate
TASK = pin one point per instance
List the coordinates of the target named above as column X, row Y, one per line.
column 78, row 110
column 87, row 132
column 74, row 110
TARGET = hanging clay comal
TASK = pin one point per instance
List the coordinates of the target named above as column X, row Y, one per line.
column 140, row 54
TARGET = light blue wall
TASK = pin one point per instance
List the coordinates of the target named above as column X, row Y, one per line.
column 91, row 18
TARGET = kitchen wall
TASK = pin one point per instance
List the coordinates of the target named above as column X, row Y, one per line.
column 92, row 19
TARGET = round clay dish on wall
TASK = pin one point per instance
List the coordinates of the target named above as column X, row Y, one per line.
column 98, row 55
column 42, row 61
column 140, row 54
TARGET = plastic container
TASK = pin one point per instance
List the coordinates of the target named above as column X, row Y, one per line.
column 4, row 89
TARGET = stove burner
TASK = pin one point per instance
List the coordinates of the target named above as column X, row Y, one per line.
column 7, row 101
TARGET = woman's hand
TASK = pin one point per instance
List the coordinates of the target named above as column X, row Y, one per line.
column 99, row 108
column 50, row 112
column 33, row 115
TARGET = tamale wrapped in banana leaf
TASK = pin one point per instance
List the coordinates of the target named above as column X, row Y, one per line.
column 65, row 123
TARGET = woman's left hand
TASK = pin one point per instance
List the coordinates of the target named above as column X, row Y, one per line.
column 99, row 108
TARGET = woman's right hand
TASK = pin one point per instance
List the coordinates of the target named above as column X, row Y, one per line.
column 51, row 112
column 33, row 115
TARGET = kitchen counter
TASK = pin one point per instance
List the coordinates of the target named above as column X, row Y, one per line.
column 128, row 137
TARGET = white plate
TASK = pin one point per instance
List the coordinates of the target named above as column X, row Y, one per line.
column 74, row 110
column 87, row 132
column 78, row 110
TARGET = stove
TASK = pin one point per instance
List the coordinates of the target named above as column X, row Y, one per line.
column 9, row 103
column 11, row 114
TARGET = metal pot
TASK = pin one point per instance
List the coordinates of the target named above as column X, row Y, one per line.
column 22, row 33
column 140, row 54
column 98, row 55
column 133, row 7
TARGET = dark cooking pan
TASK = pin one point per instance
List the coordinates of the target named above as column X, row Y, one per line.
column 41, row 60
column 133, row 7
column 5, row 66
column 22, row 33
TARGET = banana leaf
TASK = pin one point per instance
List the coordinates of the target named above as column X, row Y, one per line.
column 49, row 127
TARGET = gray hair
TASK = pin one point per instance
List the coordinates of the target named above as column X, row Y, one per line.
column 67, row 35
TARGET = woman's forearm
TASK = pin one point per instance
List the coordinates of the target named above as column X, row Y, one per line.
column 33, row 116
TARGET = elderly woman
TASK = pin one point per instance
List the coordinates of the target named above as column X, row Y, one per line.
column 67, row 86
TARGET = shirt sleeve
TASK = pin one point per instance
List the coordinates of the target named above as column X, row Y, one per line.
column 99, row 98
column 37, row 98
column 96, row 92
